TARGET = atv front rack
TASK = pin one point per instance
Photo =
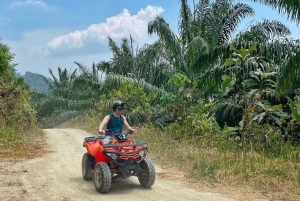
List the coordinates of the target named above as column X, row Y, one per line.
column 135, row 144
column 93, row 139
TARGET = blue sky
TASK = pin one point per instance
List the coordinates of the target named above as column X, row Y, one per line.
column 47, row 34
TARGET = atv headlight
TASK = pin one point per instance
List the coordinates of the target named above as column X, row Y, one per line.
column 142, row 153
column 113, row 155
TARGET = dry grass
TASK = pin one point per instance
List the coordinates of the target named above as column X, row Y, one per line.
column 33, row 147
column 242, row 175
column 86, row 124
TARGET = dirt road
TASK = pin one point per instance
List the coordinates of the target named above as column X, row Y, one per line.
column 57, row 176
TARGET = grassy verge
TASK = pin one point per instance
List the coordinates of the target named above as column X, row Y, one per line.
column 218, row 168
column 16, row 146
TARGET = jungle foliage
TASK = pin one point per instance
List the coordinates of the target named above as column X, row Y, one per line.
column 204, row 80
column 17, row 117
column 239, row 81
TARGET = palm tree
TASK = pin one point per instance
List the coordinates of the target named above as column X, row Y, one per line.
column 146, row 63
column 287, row 50
column 203, row 45
column 201, row 32
column 61, row 85
column 69, row 96
column 272, row 39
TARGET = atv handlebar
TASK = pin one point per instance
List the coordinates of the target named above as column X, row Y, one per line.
column 119, row 136
column 110, row 131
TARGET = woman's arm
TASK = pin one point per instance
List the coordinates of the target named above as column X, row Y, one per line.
column 127, row 126
column 104, row 122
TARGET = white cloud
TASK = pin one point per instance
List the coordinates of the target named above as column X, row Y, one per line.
column 86, row 46
column 117, row 27
column 32, row 3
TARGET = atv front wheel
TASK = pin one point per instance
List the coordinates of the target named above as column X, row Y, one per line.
column 102, row 177
column 146, row 173
column 86, row 167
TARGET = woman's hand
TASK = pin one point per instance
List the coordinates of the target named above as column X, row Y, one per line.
column 133, row 130
column 102, row 132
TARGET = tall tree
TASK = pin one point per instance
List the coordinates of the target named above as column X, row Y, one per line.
column 201, row 32
column 7, row 67
column 146, row 63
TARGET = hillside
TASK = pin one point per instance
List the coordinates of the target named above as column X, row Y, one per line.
column 36, row 81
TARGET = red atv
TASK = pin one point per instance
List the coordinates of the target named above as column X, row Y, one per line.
column 119, row 158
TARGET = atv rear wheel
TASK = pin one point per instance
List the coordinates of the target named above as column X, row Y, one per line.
column 146, row 173
column 86, row 167
column 102, row 177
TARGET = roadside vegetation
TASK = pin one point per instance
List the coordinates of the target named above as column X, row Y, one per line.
column 222, row 108
column 18, row 124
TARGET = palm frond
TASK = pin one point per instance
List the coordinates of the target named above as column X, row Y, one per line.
column 264, row 31
column 113, row 47
column 159, row 26
column 114, row 80
column 184, row 24
column 232, row 20
column 288, row 7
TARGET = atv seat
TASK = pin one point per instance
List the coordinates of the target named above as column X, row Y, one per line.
column 106, row 140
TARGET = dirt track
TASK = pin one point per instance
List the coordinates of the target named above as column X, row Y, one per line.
column 57, row 176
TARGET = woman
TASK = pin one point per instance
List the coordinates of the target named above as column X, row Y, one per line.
column 115, row 122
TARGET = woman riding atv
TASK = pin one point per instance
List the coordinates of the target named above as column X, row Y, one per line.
column 114, row 155
column 115, row 122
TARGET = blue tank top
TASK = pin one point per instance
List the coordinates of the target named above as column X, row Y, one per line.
column 116, row 124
